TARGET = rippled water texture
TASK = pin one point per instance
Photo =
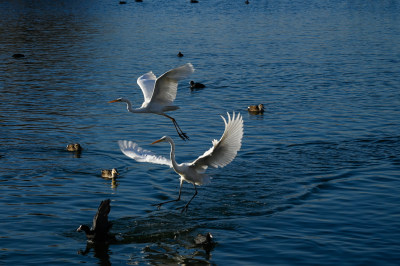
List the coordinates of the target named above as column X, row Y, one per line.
column 316, row 180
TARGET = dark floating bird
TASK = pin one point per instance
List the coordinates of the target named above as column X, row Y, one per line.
column 196, row 85
column 256, row 109
column 180, row 54
column 194, row 1
column 247, row 2
column 18, row 55
column 113, row 173
column 206, row 241
column 74, row 147
column 101, row 225
column 122, row 2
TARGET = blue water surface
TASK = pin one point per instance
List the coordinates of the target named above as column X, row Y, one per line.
column 316, row 181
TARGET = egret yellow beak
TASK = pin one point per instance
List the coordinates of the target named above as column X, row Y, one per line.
column 157, row 141
column 117, row 100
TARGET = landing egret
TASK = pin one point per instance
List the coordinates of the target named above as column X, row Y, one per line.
column 256, row 109
column 100, row 226
column 220, row 154
column 159, row 93
column 196, row 85
column 109, row 173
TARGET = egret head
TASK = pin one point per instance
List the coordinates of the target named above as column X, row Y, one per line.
column 117, row 100
column 165, row 138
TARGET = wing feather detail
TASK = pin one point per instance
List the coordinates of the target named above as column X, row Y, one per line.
column 166, row 85
column 224, row 150
column 146, row 83
column 132, row 150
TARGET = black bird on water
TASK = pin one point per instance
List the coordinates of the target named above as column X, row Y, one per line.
column 206, row 241
column 101, row 225
column 18, row 55
column 196, row 85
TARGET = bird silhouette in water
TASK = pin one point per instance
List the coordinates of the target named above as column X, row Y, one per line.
column 18, row 55
column 101, row 226
column 206, row 241
column 196, row 85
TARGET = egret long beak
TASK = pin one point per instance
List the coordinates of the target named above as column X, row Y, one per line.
column 114, row 101
column 157, row 141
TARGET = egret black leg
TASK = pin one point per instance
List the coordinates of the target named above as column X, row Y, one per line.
column 181, row 134
column 185, row 208
column 178, row 199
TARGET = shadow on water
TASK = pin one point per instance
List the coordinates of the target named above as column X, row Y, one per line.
column 167, row 238
column 100, row 251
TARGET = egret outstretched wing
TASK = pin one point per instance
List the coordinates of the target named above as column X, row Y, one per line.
column 224, row 150
column 146, row 82
column 167, row 84
column 135, row 152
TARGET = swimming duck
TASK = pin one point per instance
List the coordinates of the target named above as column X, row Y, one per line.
column 180, row 54
column 206, row 241
column 100, row 226
column 74, row 147
column 196, row 85
column 193, row 1
column 256, row 109
column 109, row 173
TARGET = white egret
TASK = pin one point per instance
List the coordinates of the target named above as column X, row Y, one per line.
column 159, row 93
column 220, row 154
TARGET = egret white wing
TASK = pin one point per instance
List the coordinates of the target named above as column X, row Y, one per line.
column 132, row 150
column 224, row 150
column 167, row 84
column 146, row 82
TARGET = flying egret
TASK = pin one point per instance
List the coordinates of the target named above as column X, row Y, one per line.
column 159, row 93
column 220, row 154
